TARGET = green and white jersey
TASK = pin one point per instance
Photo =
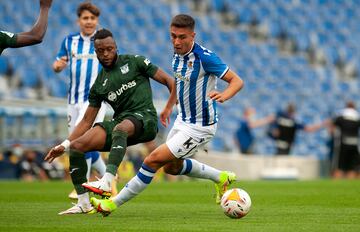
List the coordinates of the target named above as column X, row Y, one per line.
column 126, row 86
column 7, row 39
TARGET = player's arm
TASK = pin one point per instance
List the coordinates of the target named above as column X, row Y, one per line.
column 262, row 121
column 163, row 78
column 84, row 125
column 37, row 32
column 234, row 86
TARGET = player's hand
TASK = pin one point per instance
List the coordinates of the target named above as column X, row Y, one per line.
column 54, row 153
column 45, row 3
column 217, row 96
column 165, row 117
column 60, row 64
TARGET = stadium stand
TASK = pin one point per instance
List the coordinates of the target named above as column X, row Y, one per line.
column 318, row 70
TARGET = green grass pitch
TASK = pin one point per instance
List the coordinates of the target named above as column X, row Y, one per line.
column 324, row 205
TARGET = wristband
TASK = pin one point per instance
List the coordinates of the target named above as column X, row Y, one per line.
column 65, row 144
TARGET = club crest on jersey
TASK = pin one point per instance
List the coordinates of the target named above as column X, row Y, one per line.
column 190, row 64
column 124, row 69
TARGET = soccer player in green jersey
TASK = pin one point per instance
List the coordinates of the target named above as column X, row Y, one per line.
column 124, row 84
column 34, row 36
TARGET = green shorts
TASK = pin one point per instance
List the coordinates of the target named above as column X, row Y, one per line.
column 145, row 130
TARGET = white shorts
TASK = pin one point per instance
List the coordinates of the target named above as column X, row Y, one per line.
column 76, row 112
column 184, row 139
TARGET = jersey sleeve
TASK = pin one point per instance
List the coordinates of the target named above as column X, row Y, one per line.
column 7, row 39
column 213, row 64
column 63, row 50
column 145, row 66
column 95, row 99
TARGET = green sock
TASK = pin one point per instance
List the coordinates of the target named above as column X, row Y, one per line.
column 117, row 152
column 78, row 169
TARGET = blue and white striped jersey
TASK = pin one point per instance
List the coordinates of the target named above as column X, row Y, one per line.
column 195, row 75
column 83, row 63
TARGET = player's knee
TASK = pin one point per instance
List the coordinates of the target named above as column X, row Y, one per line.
column 78, row 146
column 153, row 162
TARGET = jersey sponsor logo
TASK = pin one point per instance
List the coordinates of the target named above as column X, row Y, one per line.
column 124, row 69
column 8, row 33
column 179, row 76
column 112, row 96
column 147, row 61
column 82, row 56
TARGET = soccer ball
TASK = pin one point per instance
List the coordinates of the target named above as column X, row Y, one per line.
column 236, row 203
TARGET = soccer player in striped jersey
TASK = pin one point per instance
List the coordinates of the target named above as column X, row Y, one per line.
column 77, row 51
column 34, row 36
column 196, row 71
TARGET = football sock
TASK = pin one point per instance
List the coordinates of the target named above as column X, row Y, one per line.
column 83, row 199
column 194, row 168
column 98, row 163
column 78, row 169
column 136, row 185
column 88, row 163
column 108, row 178
column 117, row 152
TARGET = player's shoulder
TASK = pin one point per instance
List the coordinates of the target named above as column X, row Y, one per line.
column 202, row 51
column 73, row 35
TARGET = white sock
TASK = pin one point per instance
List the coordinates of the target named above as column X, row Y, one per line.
column 83, row 199
column 99, row 166
column 194, row 168
column 135, row 186
column 108, row 178
column 88, row 163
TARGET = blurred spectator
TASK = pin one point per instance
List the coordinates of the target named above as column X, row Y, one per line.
column 284, row 128
column 31, row 167
column 9, row 163
column 346, row 160
column 244, row 136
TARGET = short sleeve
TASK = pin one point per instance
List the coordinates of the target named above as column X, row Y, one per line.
column 145, row 65
column 213, row 64
column 7, row 39
column 63, row 50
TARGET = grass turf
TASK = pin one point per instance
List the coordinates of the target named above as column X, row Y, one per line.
column 323, row 205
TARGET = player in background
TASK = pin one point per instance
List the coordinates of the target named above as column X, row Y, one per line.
column 123, row 83
column 77, row 51
column 244, row 136
column 346, row 160
column 284, row 128
column 196, row 70
column 34, row 36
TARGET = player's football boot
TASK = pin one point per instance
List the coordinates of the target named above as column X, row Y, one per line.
column 79, row 209
column 105, row 206
column 226, row 178
column 73, row 195
column 99, row 187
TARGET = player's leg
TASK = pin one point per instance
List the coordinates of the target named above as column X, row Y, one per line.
column 93, row 158
column 158, row 158
column 94, row 139
column 129, row 127
column 185, row 143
